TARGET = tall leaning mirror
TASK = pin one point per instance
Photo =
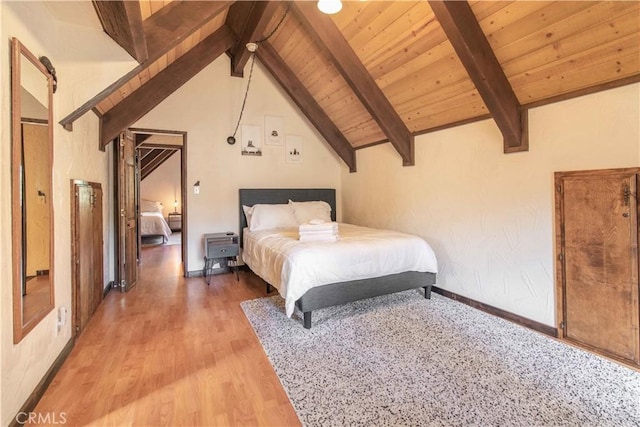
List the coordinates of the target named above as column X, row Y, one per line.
column 31, row 181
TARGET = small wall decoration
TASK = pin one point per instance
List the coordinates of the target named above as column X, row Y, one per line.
column 294, row 149
column 273, row 130
column 251, row 140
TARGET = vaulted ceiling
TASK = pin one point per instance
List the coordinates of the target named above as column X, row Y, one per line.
column 378, row 72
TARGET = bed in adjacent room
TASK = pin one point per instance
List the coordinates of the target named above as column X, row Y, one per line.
column 321, row 272
column 152, row 222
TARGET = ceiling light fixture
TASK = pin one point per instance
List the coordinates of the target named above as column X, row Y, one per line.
column 329, row 6
column 252, row 47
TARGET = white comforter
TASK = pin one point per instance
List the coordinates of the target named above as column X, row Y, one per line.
column 294, row 267
column 154, row 224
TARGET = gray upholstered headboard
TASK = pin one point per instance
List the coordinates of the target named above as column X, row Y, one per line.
column 272, row 196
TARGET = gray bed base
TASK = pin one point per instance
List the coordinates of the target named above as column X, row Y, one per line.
column 344, row 292
column 334, row 293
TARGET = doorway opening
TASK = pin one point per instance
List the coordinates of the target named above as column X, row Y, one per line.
column 161, row 179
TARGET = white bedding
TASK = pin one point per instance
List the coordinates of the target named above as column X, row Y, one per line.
column 294, row 267
column 154, row 224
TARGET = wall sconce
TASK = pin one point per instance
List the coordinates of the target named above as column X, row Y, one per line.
column 329, row 6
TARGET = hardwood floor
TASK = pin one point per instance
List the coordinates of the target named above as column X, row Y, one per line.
column 172, row 351
column 37, row 296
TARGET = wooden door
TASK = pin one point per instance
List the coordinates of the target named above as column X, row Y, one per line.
column 597, row 221
column 87, row 248
column 127, row 230
column 98, row 248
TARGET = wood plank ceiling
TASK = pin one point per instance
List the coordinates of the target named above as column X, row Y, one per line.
column 381, row 71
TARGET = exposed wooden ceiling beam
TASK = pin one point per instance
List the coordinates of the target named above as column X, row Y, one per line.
column 357, row 76
column 309, row 107
column 175, row 22
column 160, row 41
column 140, row 138
column 237, row 15
column 144, row 152
column 472, row 47
column 149, row 157
column 162, row 157
column 145, row 98
column 160, row 146
column 67, row 122
column 254, row 27
column 122, row 21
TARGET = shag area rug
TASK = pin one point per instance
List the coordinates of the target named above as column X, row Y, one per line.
column 403, row 360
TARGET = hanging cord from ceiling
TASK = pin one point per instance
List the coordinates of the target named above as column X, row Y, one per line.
column 284, row 15
column 252, row 47
column 232, row 139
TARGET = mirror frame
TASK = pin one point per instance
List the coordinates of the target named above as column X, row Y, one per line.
column 21, row 328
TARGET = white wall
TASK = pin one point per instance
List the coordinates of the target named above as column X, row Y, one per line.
column 82, row 73
column 489, row 216
column 207, row 108
column 163, row 184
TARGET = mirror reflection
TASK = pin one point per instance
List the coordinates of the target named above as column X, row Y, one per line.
column 32, row 204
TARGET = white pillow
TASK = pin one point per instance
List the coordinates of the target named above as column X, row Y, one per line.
column 266, row 217
column 248, row 210
column 307, row 211
column 150, row 206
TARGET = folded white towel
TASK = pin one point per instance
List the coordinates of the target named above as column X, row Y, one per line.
column 316, row 221
column 317, row 227
column 319, row 238
column 333, row 232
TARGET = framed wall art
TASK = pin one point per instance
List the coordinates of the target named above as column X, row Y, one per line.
column 251, row 140
column 294, row 149
column 273, row 130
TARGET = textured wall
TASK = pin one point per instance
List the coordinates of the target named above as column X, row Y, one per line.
column 489, row 216
column 73, row 50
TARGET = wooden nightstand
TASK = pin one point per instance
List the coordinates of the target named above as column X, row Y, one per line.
column 220, row 253
column 175, row 221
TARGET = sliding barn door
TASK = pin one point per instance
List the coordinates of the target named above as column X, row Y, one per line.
column 598, row 255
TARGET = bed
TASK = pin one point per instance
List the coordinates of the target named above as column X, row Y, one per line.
column 327, row 275
column 152, row 222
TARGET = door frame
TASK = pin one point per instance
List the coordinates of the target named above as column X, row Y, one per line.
column 183, row 185
column 560, row 281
